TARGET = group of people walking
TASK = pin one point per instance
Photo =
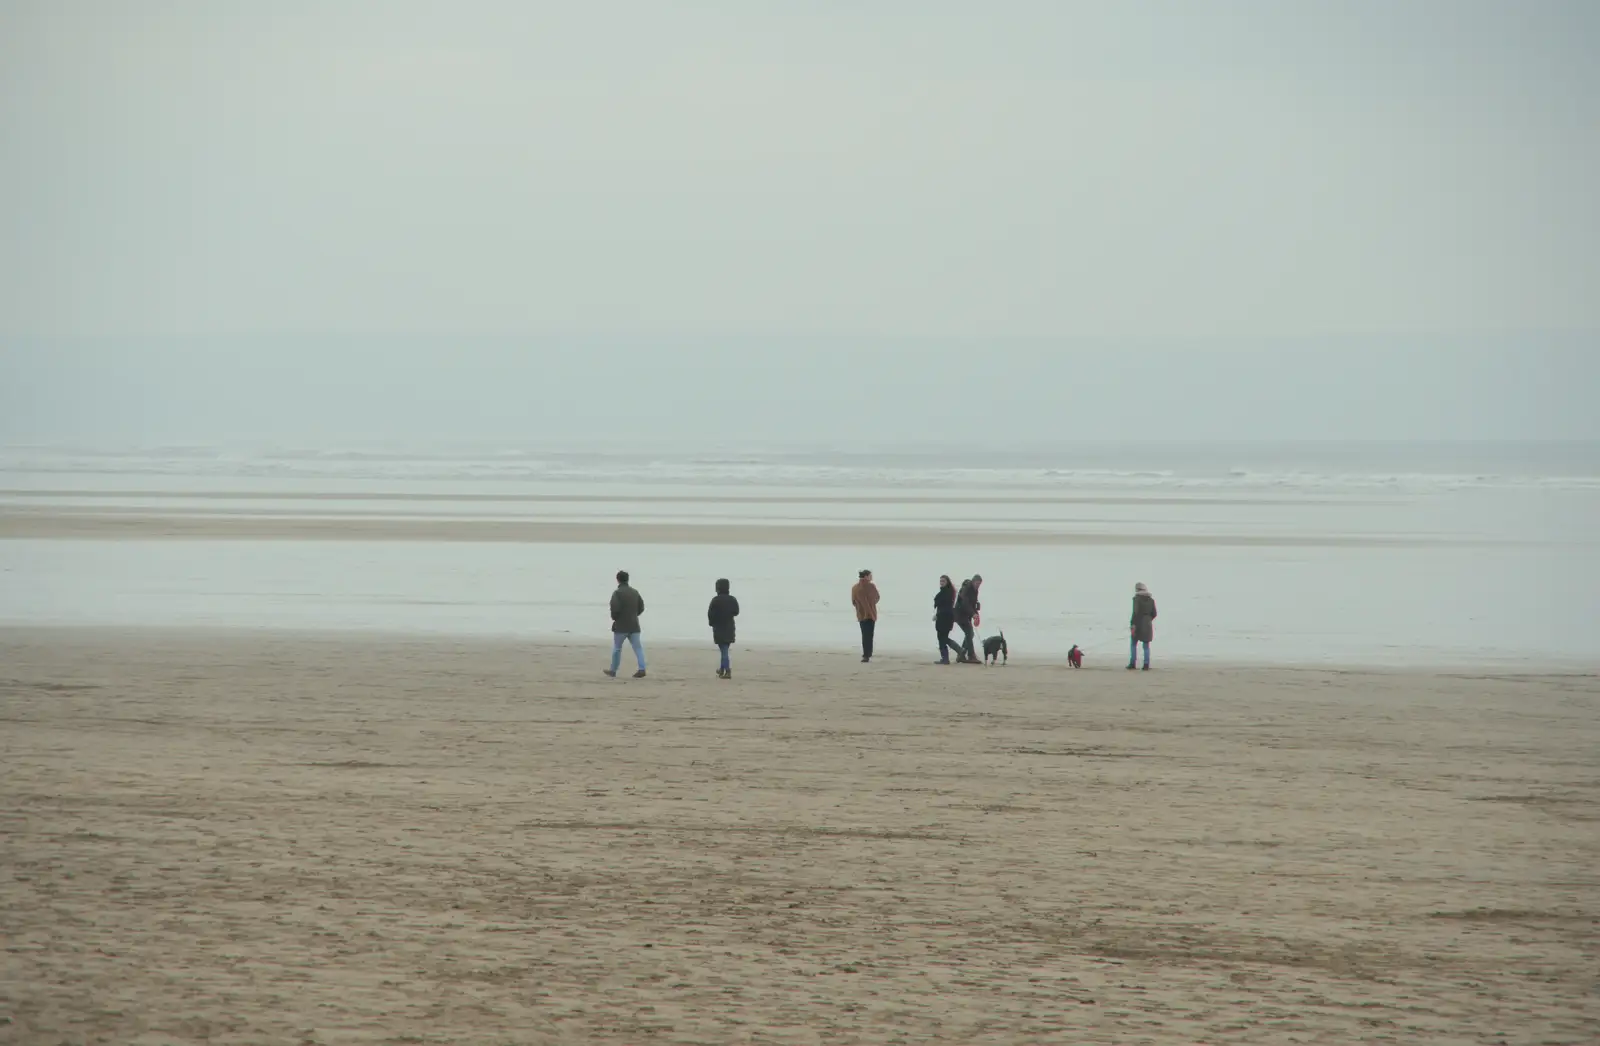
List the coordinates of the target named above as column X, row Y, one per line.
column 954, row 606
column 627, row 606
column 957, row 607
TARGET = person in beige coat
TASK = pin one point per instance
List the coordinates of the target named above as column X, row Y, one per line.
column 864, row 597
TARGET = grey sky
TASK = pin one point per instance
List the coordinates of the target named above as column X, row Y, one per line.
column 270, row 178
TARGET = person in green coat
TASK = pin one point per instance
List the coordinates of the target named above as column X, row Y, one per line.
column 626, row 606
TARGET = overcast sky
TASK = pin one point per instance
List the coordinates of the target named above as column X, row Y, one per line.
column 404, row 215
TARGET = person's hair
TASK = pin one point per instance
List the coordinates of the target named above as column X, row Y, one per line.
column 722, row 586
column 864, row 574
column 622, row 577
column 944, row 579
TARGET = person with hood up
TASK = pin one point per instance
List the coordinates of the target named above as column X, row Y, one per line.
column 944, row 616
column 720, row 614
column 966, row 613
column 864, row 597
column 1141, row 627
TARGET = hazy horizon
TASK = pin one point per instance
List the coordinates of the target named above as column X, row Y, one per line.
column 319, row 392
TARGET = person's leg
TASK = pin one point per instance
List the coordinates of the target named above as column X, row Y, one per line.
column 969, row 649
column 616, row 651
column 1133, row 650
column 636, row 640
column 944, row 644
column 868, row 631
column 722, row 648
column 1147, row 653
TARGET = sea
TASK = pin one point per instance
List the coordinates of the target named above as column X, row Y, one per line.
column 1388, row 554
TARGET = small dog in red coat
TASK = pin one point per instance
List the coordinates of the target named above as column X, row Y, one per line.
column 1075, row 657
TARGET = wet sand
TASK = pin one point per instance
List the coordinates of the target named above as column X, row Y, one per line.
column 192, row 524
column 248, row 838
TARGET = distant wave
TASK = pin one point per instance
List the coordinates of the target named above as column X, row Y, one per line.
column 523, row 466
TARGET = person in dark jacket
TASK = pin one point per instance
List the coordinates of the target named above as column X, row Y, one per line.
column 944, row 616
column 1141, row 626
column 966, row 609
column 626, row 606
column 719, row 615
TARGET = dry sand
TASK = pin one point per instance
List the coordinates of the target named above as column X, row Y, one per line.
column 230, row 838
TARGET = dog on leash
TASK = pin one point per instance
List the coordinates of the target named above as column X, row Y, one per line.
column 994, row 649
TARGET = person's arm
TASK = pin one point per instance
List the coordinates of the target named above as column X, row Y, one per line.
column 1152, row 609
column 711, row 614
column 735, row 612
column 614, row 607
column 639, row 601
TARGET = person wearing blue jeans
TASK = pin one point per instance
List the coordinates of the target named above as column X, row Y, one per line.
column 636, row 641
column 626, row 606
column 1141, row 626
column 719, row 615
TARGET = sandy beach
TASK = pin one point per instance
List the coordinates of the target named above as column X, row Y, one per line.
column 235, row 837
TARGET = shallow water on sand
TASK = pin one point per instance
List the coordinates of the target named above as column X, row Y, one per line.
column 1322, row 561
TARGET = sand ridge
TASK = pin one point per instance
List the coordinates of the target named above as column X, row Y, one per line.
column 122, row 523
column 244, row 838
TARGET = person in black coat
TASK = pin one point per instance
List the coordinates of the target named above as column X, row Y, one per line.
column 944, row 616
column 967, row 607
column 720, row 614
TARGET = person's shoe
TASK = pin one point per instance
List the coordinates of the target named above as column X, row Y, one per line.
column 728, row 674
column 1146, row 668
column 865, row 660
column 610, row 672
column 1131, row 666
column 942, row 661
column 639, row 674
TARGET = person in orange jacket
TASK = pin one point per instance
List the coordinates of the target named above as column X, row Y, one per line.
column 864, row 597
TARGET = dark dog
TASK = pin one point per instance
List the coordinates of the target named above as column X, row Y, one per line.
column 994, row 649
column 1075, row 657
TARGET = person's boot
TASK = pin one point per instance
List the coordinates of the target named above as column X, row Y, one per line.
column 610, row 672
column 639, row 674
